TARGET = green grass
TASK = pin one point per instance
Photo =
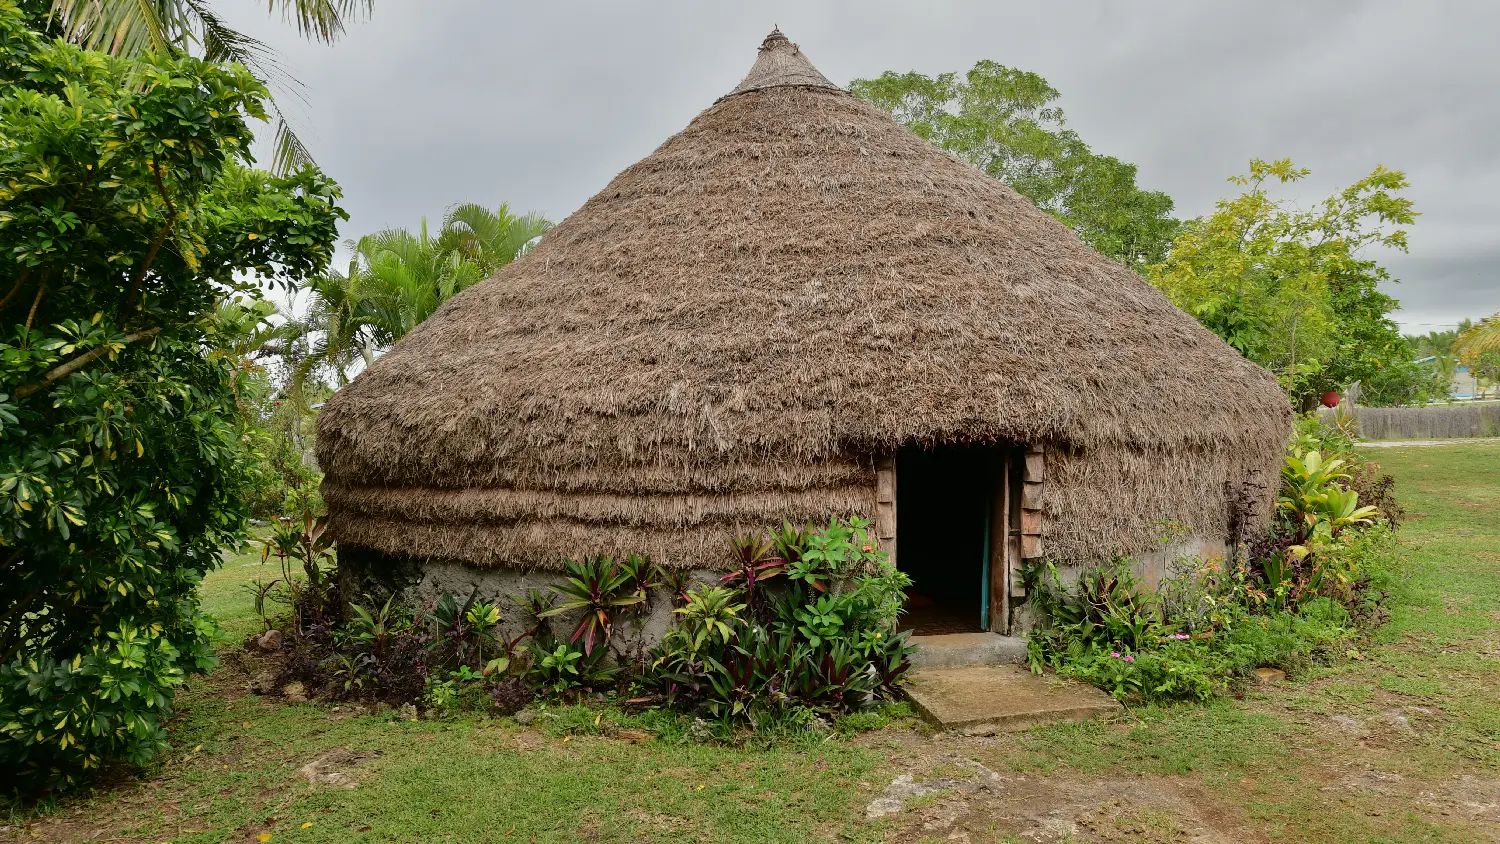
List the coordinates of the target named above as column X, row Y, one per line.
column 1273, row 765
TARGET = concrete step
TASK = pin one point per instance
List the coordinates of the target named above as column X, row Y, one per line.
column 989, row 699
column 955, row 650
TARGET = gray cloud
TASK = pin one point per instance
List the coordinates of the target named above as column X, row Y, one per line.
column 444, row 101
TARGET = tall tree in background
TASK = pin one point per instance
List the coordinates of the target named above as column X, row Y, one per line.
column 1478, row 346
column 1004, row 121
column 1289, row 289
column 132, row 27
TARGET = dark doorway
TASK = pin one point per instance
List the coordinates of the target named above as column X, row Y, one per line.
column 942, row 528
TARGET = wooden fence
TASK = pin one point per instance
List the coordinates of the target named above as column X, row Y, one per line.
column 1438, row 422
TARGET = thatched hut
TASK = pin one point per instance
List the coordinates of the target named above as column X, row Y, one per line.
column 795, row 309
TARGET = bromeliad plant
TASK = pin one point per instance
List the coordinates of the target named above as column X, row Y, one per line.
column 754, row 564
column 599, row 587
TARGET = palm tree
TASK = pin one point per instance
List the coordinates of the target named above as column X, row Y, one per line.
column 1478, row 339
column 342, row 327
column 250, row 331
column 490, row 239
column 396, row 279
column 131, row 27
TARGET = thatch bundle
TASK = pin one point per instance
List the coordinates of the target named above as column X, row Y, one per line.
column 733, row 331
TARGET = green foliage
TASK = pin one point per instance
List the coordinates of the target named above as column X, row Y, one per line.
column 1209, row 629
column 126, row 217
column 561, row 668
column 469, row 637
column 304, row 542
column 754, row 564
column 396, row 279
column 1479, row 339
column 1314, row 495
column 131, row 29
column 826, row 641
column 1004, row 122
column 596, row 588
column 1287, row 598
column 1287, row 287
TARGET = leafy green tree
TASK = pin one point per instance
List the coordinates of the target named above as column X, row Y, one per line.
column 1288, row 287
column 126, row 215
column 1005, row 122
column 133, row 27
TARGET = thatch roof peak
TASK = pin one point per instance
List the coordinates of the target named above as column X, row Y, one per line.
column 779, row 64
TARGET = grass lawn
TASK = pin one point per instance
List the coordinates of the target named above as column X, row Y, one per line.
column 1401, row 743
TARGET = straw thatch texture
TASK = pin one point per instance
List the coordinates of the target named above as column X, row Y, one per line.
column 732, row 330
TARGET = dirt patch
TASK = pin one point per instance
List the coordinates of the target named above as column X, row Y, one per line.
column 1470, row 798
column 1048, row 809
column 944, row 793
column 333, row 767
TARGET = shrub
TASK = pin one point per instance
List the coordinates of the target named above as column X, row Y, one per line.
column 1211, row 627
column 1324, row 569
column 823, row 641
column 822, row 636
column 127, row 216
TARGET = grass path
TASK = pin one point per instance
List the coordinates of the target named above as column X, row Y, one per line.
column 1400, row 745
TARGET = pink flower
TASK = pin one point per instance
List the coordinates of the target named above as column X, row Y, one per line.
column 1180, row 636
column 1130, row 659
column 1115, row 654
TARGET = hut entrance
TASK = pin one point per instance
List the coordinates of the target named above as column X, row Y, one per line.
column 946, row 509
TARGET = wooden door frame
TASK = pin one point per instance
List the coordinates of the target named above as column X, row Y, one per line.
column 1006, row 465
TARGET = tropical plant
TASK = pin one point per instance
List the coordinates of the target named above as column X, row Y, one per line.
column 123, row 467
column 677, row 581
column 597, row 587
column 489, row 239
column 304, row 541
column 396, row 279
column 468, row 635
column 1479, row 339
column 826, row 641
column 372, row 632
column 753, row 565
column 132, row 28
column 1316, row 496
column 709, row 618
column 560, row 668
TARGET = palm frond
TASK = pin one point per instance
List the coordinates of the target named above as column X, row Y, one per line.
column 222, row 43
column 1481, row 338
column 323, row 20
column 287, row 150
column 123, row 27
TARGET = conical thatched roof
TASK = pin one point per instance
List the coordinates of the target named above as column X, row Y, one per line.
column 735, row 326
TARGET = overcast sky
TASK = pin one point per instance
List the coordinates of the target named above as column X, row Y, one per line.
column 540, row 105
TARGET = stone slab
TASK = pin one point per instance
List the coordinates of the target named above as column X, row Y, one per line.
column 955, row 650
column 987, row 699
